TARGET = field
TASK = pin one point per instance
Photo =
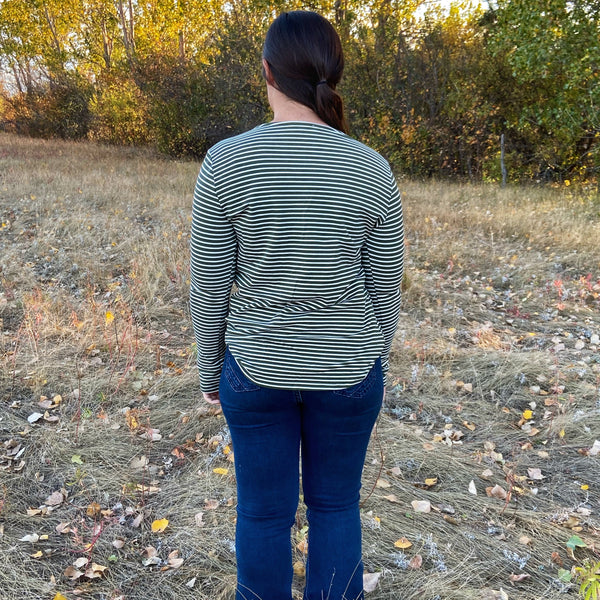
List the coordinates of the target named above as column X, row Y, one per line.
column 483, row 476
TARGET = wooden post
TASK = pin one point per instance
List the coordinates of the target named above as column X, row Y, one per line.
column 502, row 165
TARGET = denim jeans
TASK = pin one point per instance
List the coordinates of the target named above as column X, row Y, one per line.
column 270, row 429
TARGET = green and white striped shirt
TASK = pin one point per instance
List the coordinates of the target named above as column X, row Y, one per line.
column 307, row 223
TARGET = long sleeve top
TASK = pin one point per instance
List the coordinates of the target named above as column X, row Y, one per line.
column 304, row 223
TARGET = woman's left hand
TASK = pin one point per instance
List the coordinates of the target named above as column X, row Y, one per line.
column 211, row 397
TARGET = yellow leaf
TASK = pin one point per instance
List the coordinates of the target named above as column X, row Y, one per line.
column 109, row 317
column 562, row 433
column 527, row 414
column 37, row 554
column 59, row 596
column 159, row 525
column 221, row 471
column 585, row 486
column 431, row 481
column 402, row 543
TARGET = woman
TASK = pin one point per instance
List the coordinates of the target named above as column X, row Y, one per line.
column 307, row 223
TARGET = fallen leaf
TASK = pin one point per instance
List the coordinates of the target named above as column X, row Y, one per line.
column 59, row 596
column 32, row 512
column 63, row 528
column 416, row 562
column 430, row 482
column 211, row 504
column 396, row 471
column 118, row 543
column 76, row 458
column 472, row 488
column 199, row 519
column 34, row 417
column 174, row 561
column 535, row 474
column 520, row 577
column 487, row 474
column 391, row 498
column 383, row 483
column 55, row 498
column 37, row 554
column 402, row 543
column 81, row 562
column 302, row 546
column 370, row 581
column 421, row 506
column 72, row 573
column 299, row 569
column 32, row 538
column 151, row 434
column 109, row 317
column 159, row 525
column 496, row 492
column 221, row 471
column 595, row 449
column 191, row 583
column 526, row 541
column 93, row 509
column 139, row 463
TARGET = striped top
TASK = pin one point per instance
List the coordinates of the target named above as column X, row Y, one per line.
column 307, row 223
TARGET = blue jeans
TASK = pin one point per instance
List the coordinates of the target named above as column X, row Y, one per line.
column 268, row 428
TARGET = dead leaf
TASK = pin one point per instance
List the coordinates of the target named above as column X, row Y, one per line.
column 81, row 562
column 34, row 417
column 55, row 498
column 173, row 560
column 221, row 471
column 520, row 577
column 526, row 541
column 159, row 525
column 370, row 581
column 421, row 506
column 63, row 527
column 139, row 463
column 93, row 509
column 383, row 483
column 211, row 504
column 299, row 569
column 118, row 543
column 151, row 434
column 95, row 571
column 191, row 583
column 199, row 519
column 487, row 474
column 535, row 474
column 72, row 573
column 402, row 543
column 59, row 596
column 302, row 546
column 472, row 488
column 416, row 562
column 496, row 492
column 32, row 538
column 391, row 498
column 595, row 449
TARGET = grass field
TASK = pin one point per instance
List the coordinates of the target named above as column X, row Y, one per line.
column 482, row 479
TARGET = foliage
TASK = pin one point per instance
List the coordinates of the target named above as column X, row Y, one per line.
column 589, row 575
column 432, row 89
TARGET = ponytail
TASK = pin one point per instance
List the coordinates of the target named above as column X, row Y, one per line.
column 306, row 61
column 330, row 107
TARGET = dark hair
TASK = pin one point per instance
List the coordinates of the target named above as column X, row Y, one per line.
column 305, row 57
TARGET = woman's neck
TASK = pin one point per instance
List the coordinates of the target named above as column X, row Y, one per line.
column 285, row 109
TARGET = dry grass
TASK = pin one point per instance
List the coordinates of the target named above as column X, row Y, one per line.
column 500, row 315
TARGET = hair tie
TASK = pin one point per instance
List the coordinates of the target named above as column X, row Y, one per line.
column 322, row 82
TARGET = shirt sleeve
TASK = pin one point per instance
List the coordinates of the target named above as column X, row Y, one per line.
column 212, row 271
column 383, row 263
